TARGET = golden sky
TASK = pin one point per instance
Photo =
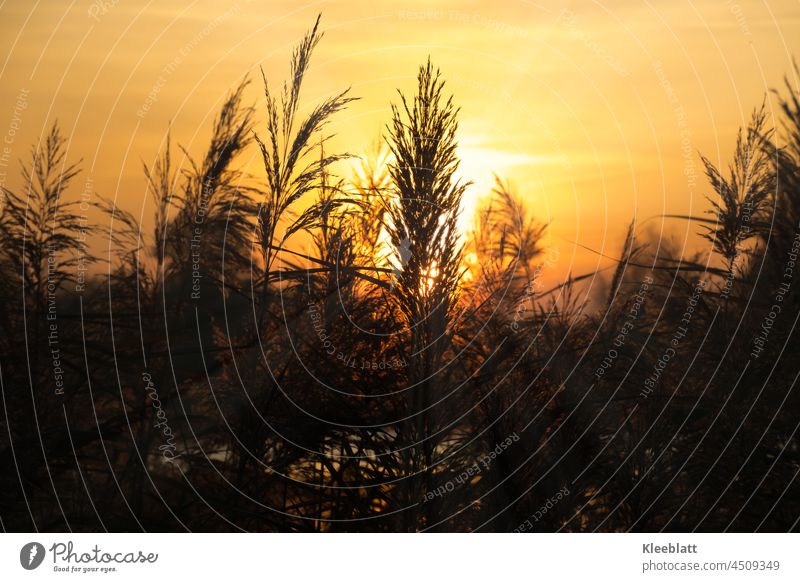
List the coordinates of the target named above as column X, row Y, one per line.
column 595, row 111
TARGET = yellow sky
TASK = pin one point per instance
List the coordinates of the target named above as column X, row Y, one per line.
column 594, row 110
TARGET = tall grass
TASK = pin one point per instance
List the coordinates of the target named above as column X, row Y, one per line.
column 421, row 219
column 349, row 385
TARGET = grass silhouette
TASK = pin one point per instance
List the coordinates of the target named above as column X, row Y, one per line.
column 391, row 375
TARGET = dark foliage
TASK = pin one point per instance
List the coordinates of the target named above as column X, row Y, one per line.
column 294, row 352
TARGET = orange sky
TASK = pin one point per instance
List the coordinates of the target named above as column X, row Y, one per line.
column 594, row 110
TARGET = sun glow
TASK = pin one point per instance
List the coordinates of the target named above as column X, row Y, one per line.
column 480, row 163
column 478, row 166
column 429, row 278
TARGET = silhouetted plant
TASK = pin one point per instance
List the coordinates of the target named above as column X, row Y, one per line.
column 42, row 237
column 273, row 377
column 292, row 172
column 740, row 209
column 422, row 217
